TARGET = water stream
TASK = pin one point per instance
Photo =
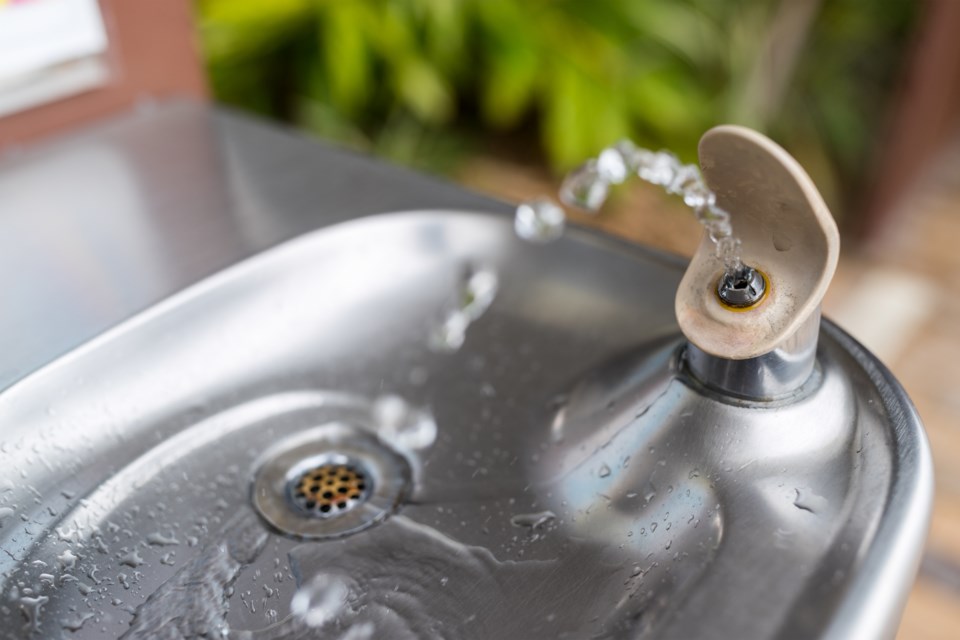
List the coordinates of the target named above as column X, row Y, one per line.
column 588, row 186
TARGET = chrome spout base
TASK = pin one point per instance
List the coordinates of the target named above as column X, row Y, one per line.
column 775, row 375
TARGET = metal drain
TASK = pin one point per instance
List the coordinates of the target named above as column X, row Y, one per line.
column 329, row 481
column 330, row 488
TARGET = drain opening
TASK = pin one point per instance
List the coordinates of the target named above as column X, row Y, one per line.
column 330, row 487
column 329, row 481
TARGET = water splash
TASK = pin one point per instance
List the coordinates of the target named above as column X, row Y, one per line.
column 365, row 593
column 193, row 603
column 403, row 425
column 476, row 293
column 539, row 221
column 322, row 600
column 587, row 186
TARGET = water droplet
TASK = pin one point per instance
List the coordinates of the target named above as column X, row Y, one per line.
column 159, row 540
column 687, row 177
column 132, row 559
column 604, row 471
column 612, row 166
column 698, row 195
column 76, row 623
column 477, row 292
column 321, row 601
column 584, row 188
column 807, row 500
column 31, row 608
column 539, row 221
column 533, row 520
column 660, row 169
column 403, row 425
column 68, row 559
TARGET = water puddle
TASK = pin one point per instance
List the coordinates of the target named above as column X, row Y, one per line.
column 194, row 602
column 405, row 580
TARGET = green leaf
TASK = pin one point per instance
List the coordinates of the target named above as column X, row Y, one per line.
column 233, row 29
column 563, row 129
column 509, row 84
column 346, row 56
column 421, row 89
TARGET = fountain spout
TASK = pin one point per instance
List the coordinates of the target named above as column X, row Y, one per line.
column 754, row 334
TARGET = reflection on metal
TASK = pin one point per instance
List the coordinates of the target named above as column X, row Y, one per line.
column 786, row 371
column 677, row 509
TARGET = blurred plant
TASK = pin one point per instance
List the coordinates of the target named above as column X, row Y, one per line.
column 419, row 80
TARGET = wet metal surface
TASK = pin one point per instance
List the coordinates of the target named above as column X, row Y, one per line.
column 567, row 478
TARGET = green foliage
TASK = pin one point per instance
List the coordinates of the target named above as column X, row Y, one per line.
column 419, row 79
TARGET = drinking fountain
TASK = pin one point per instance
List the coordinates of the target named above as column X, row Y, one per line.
column 342, row 400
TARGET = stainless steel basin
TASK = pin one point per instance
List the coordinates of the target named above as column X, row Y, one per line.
column 552, row 503
column 579, row 483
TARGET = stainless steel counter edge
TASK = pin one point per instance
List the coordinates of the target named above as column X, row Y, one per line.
column 102, row 224
column 878, row 594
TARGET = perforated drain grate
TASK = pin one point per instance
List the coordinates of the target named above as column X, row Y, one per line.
column 330, row 481
column 331, row 488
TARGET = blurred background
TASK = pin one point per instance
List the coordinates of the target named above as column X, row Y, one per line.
column 437, row 84
column 504, row 96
